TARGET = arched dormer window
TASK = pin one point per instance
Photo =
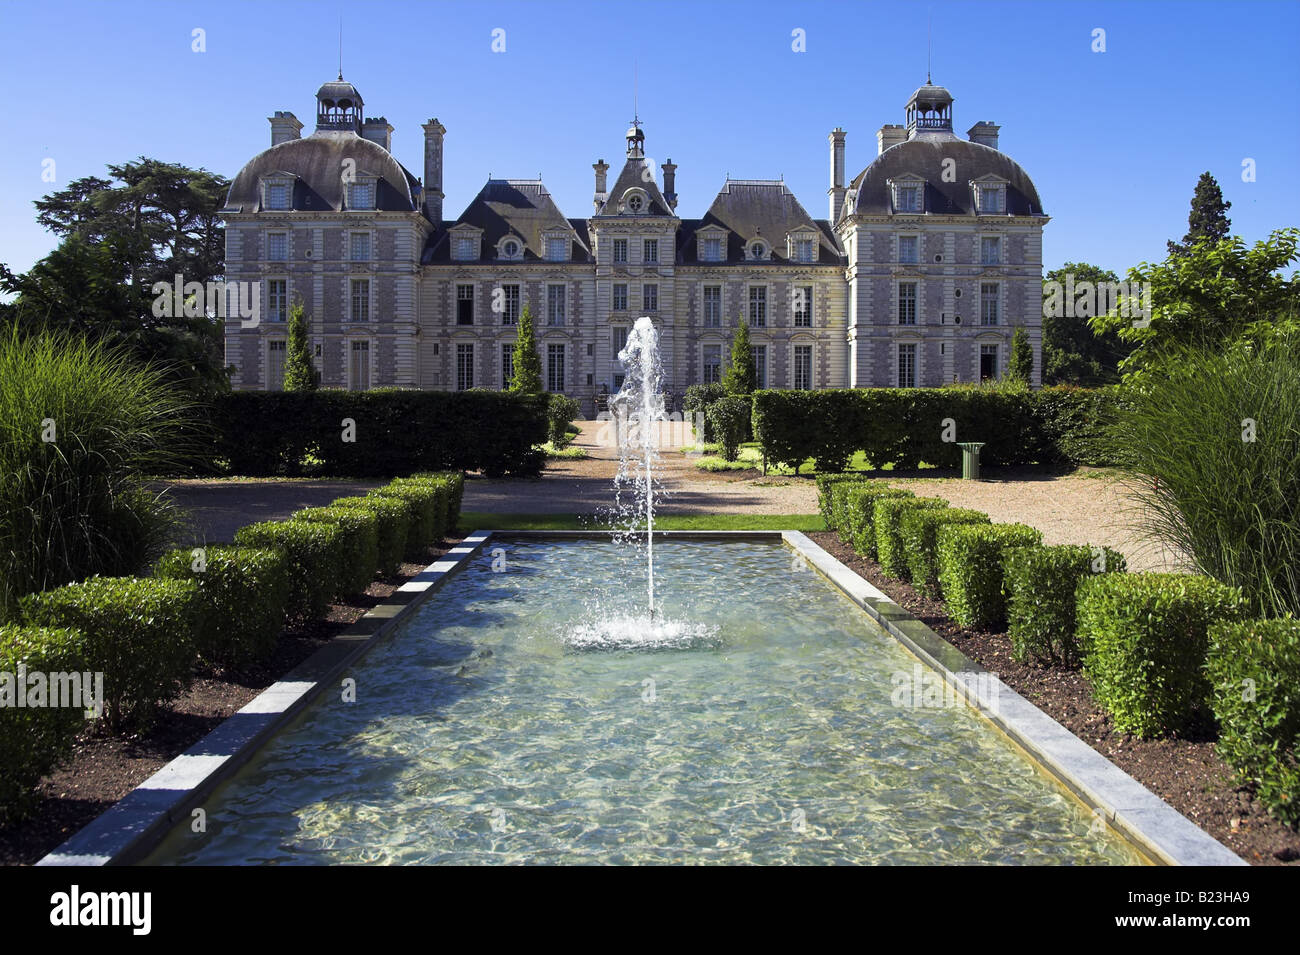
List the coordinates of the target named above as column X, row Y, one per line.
column 510, row 249
column 636, row 202
column 757, row 251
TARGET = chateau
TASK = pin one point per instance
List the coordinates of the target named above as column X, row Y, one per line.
column 928, row 260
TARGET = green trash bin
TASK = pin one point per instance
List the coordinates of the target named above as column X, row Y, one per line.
column 970, row 459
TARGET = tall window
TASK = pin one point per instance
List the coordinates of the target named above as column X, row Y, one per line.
column 276, row 352
column 712, row 297
column 909, row 199
column 555, row 250
column 360, row 300
column 464, row 304
column 510, row 305
column 359, row 250
column 277, row 299
column 361, row 195
column 650, row 296
column 712, row 365
column 465, row 366
column 907, row 366
column 803, row 250
column 803, row 367
column 758, row 306
column 803, row 306
column 620, row 296
column 277, row 246
column 359, row 370
column 507, row 364
column 465, row 247
column 990, row 250
column 990, row 199
column 555, row 304
column 277, row 195
column 909, row 249
column 620, row 338
column 760, row 364
column 988, row 303
column 711, row 250
column 988, row 362
column 620, row 251
column 555, row 368
column 907, row 303
column 651, row 249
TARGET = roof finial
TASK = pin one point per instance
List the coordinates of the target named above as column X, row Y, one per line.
column 635, row 116
column 929, row 17
column 340, row 47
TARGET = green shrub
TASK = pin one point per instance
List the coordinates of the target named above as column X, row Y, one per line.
column 891, row 552
column 392, row 524
column 860, row 510
column 360, row 542
column 730, row 418
column 82, row 426
column 1254, row 668
column 825, row 482
column 454, row 481
column 428, row 503
column 560, row 410
column 316, row 553
column 242, row 593
column 35, row 739
column 971, row 560
column 839, row 509
column 442, row 501
column 919, row 528
column 696, row 403
column 828, row 426
column 139, row 632
column 1144, row 642
column 1040, row 593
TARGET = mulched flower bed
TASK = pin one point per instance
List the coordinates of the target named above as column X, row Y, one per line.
column 104, row 768
column 1186, row 773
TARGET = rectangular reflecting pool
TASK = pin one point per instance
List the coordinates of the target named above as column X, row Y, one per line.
column 524, row 713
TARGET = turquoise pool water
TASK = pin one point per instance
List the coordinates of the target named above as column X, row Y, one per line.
column 507, row 721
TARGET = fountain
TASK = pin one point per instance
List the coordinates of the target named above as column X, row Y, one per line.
column 641, row 404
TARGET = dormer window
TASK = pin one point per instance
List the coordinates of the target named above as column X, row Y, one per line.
column 799, row 247
column 711, row 250
column 757, row 250
column 635, row 201
column 511, row 250
column 909, row 195
column 557, row 248
column 465, row 248
column 361, row 195
column 277, row 195
column 990, row 195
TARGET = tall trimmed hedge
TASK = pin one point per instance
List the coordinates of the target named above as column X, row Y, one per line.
column 394, row 432
column 1040, row 585
column 919, row 530
column 891, row 552
column 972, row 559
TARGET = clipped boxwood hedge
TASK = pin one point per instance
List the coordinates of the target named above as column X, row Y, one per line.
column 443, row 523
column 360, row 543
column 428, row 503
column 730, row 420
column 891, row 552
column 392, row 524
column 242, row 593
column 316, row 553
column 971, row 560
column 1144, row 639
column 139, row 632
column 825, row 483
column 1040, row 591
column 919, row 530
column 859, row 514
column 839, row 495
column 35, row 739
column 1254, row 667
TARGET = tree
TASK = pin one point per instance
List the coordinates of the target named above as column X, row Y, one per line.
column 1022, row 356
column 741, row 376
column 527, row 377
column 300, row 373
column 1073, row 352
column 1208, row 221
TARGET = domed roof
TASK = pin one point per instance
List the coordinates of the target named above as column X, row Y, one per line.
column 340, row 89
column 315, row 161
column 924, row 156
column 929, row 94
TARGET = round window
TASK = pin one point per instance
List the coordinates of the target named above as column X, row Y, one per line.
column 635, row 203
column 511, row 249
column 756, row 250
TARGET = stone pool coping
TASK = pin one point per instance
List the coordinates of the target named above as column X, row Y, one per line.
column 133, row 827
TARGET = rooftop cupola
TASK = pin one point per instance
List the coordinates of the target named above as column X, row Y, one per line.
column 339, row 106
column 929, row 110
column 635, row 141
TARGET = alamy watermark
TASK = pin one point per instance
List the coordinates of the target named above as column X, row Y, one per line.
column 922, row 688
column 37, row 689
column 1085, row 299
column 181, row 299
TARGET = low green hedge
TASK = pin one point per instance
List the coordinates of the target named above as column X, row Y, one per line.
column 1144, row 639
column 316, row 553
column 919, row 530
column 891, row 552
column 859, row 514
column 825, row 502
column 139, row 633
column 392, row 524
column 360, row 543
column 839, row 495
column 1254, row 667
column 428, row 505
column 1040, row 593
column 447, row 511
column 971, row 559
column 242, row 592
column 35, row 739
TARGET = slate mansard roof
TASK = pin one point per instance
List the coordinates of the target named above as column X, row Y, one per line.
column 758, row 208
column 317, row 163
column 519, row 207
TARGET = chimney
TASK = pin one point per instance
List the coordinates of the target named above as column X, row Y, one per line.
column 378, row 131
column 836, row 191
column 284, row 127
column 889, row 135
column 602, row 193
column 433, row 133
column 985, row 133
column 670, row 183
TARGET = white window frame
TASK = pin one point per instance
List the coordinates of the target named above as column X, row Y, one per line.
column 517, row 301
column 997, row 304
column 650, row 296
column 915, row 286
column 704, row 364
column 750, row 302
column 353, row 235
column 268, row 185
column 707, row 320
column 551, row 300
column 802, row 318
column 549, row 244
column 369, row 301
column 650, row 251
column 996, row 238
column 619, row 245
column 916, row 239
column 283, row 348
column 369, row 183
column 898, row 363
column 553, row 349
column 795, row 346
column 506, row 350
column 278, row 234
column 505, row 256
column 760, row 365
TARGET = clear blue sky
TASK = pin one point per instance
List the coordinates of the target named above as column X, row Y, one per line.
column 1114, row 140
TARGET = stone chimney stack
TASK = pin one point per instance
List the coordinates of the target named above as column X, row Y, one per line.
column 602, row 192
column 433, row 133
column 836, row 191
column 889, row 135
column 284, row 127
column 378, row 131
column 670, row 183
column 985, row 133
